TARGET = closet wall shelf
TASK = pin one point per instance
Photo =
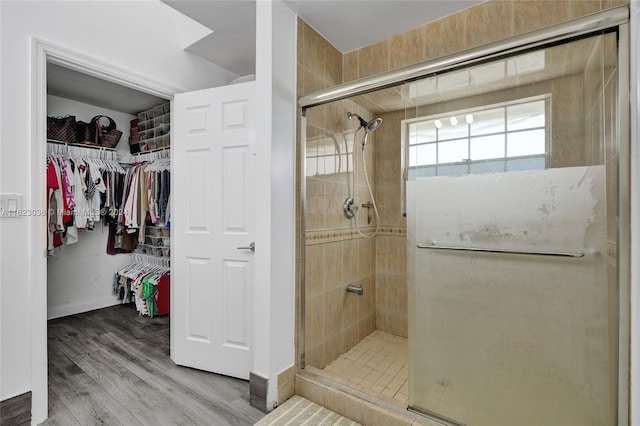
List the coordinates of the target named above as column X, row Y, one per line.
column 151, row 151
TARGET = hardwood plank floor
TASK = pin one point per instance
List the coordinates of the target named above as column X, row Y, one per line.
column 112, row 366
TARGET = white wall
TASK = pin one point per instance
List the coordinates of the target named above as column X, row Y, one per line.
column 79, row 276
column 128, row 35
column 276, row 95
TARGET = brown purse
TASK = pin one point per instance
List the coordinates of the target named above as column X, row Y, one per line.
column 62, row 128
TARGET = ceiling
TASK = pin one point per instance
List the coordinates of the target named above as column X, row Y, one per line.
column 70, row 84
column 346, row 24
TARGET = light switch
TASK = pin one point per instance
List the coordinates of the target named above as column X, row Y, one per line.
column 11, row 205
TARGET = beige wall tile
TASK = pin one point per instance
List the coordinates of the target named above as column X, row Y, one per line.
column 350, row 66
column 350, row 260
column 333, row 65
column 408, row 48
column 580, row 8
column 366, row 326
column 314, row 46
column 300, row 50
column 350, row 337
column 315, row 356
column 286, row 384
column 314, row 270
column 531, row 15
column 373, row 59
column 446, row 35
column 350, row 302
column 487, row 22
column 333, row 348
column 367, row 302
column 314, row 321
column 332, row 265
column 333, row 301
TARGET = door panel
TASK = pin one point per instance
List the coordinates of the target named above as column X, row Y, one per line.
column 213, row 216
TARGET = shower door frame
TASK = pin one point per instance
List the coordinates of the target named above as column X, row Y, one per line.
column 615, row 19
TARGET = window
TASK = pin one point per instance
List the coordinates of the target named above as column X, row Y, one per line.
column 497, row 138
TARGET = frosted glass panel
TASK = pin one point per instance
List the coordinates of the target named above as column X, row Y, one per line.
column 511, row 339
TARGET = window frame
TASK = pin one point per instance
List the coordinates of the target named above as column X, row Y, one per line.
column 467, row 163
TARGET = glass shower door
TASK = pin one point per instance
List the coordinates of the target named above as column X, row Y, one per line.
column 513, row 297
column 511, row 276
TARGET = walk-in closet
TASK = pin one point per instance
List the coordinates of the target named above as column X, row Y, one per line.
column 109, row 265
column 108, row 193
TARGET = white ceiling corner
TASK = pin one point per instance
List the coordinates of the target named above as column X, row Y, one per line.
column 346, row 24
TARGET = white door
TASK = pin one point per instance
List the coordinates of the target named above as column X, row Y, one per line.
column 212, row 220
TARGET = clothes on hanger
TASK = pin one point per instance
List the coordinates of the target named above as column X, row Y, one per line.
column 146, row 283
column 80, row 187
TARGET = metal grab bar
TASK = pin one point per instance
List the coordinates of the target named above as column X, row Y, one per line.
column 501, row 250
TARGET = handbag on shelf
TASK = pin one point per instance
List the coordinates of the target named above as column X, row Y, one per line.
column 111, row 139
column 62, row 128
column 86, row 132
column 106, row 132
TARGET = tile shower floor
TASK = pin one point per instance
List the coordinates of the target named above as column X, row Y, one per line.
column 376, row 366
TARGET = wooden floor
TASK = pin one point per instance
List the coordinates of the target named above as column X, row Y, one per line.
column 112, row 366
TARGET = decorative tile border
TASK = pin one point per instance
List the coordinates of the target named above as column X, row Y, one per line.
column 335, row 235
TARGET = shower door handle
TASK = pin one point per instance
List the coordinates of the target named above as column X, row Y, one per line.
column 251, row 247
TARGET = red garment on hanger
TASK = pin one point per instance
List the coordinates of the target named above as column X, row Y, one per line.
column 164, row 286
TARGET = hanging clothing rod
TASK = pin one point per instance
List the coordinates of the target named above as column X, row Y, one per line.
column 502, row 250
column 156, row 154
column 56, row 147
column 151, row 260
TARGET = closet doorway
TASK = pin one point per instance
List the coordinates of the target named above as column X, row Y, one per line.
column 237, row 335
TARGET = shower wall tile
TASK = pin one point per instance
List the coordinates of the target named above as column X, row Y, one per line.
column 333, row 65
column 531, row 15
column 350, row 66
column 315, row 356
column 315, row 270
column 366, row 326
column 350, row 302
column 332, row 265
column 580, row 8
column 333, row 348
column 489, row 21
column 350, row 338
column 374, row 59
column 446, row 35
column 350, row 260
column 315, row 321
column 333, row 312
column 408, row 48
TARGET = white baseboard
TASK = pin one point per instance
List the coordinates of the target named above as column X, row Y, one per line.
column 78, row 308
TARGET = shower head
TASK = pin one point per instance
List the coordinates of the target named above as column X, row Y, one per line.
column 373, row 125
column 368, row 126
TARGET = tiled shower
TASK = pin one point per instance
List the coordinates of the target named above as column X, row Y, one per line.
column 583, row 106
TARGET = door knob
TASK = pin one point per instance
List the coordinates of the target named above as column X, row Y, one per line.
column 251, row 247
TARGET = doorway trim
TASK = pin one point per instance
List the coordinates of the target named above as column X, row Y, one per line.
column 42, row 52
